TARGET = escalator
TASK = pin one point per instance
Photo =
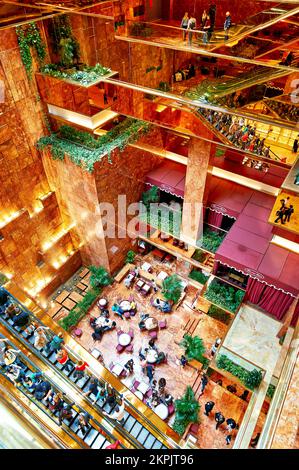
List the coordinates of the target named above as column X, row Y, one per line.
column 137, row 432
column 96, row 437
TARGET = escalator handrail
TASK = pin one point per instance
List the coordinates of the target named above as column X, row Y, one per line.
column 31, row 366
column 72, row 356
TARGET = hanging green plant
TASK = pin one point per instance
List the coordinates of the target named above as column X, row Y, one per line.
column 63, row 41
column 84, row 150
column 29, row 38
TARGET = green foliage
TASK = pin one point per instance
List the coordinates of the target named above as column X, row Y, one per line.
column 164, row 86
column 224, row 295
column 172, row 288
column 271, row 391
column 186, row 411
column 84, row 150
column 99, row 277
column 219, row 314
column 63, row 41
column 251, row 379
column 198, row 276
column 80, row 310
column 194, row 348
column 199, row 256
column 83, row 77
column 211, row 240
column 151, row 196
column 130, row 256
column 29, row 38
column 3, row 279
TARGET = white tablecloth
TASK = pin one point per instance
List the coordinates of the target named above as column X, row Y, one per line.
column 102, row 302
column 124, row 339
column 125, row 305
column 146, row 266
column 143, row 387
column 151, row 323
column 162, row 411
column 139, row 394
column 117, row 369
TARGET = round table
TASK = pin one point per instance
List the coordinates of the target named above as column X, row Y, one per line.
column 152, row 356
column 151, row 323
column 139, row 394
column 125, row 305
column 124, row 339
column 162, row 411
column 102, row 303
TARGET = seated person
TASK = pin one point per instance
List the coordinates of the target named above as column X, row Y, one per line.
column 183, row 361
column 143, row 317
column 98, row 333
column 117, row 310
column 166, row 308
column 109, row 325
column 161, row 357
column 105, row 313
column 151, row 344
column 168, row 399
column 129, row 366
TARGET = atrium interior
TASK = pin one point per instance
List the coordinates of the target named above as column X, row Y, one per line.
column 149, row 224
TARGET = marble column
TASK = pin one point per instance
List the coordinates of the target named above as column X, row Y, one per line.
column 195, row 189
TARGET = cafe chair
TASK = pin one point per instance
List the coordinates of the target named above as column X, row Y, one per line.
column 129, row 348
column 153, row 334
column 119, row 348
column 127, row 315
column 162, row 324
column 131, row 332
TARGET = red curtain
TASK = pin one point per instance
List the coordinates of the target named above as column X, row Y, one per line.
column 275, row 302
column 215, row 267
column 254, row 290
column 215, row 218
column 295, row 316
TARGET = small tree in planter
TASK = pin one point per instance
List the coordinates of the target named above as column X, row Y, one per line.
column 99, row 277
column 253, row 379
column 130, row 256
column 194, row 348
column 186, row 411
column 172, row 288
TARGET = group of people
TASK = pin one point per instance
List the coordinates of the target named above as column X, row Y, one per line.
column 285, row 211
column 236, row 130
column 207, row 25
column 159, row 394
column 286, row 111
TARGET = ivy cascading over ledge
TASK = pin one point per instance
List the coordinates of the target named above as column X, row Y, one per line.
column 84, row 150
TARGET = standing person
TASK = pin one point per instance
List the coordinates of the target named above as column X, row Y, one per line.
column 55, row 343
column 208, row 407
column 92, row 387
column 228, row 439
column 203, row 18
column 280, row 216
column 206, row 29
column 80, row 368
column 184, row 25
column 63, row 358
column 119, row 413
column 149, row 369
column 212, row 15
column 287, row 213
column 83, row 422
column 219, row 418
column 40, row 337
column 215, row 346
column 204, row 382
column 65, row 412
column 191, row 26
column 295, row 145
column 154, row 286
column 227, row 24
column 231, row 424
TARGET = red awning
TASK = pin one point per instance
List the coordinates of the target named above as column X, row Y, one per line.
column 169, row 177
column 247, row 247
column 227, row 197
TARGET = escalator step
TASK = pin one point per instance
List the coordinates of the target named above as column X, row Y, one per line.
column 67, row 372
column 52, row 357
column 91, row 436
column 82, row 382
column 107, row 408
column 129, row 423
column 143, row 435
column 136, row 429
column 59, row 366
column 74, row 426
column 157, row 445
column 100, row 440
column 149, row 442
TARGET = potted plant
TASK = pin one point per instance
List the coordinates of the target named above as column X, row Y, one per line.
column 186, row 411
column 172, row 288
column 194, row 348
column 99, row 277
column 151, row 196
column 130, row 256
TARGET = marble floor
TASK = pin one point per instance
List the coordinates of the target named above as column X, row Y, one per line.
column 253, row 336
